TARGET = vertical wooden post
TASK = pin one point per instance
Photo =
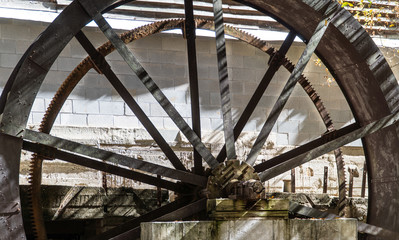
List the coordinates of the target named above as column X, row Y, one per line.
column 350, row 182
column 293, row 180
column 159, row 193
column 364, row 179
column 325, row 179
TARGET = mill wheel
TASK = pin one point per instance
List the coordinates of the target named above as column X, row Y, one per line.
column 328, row 30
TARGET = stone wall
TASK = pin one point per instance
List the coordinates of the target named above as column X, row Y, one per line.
column 95, row 114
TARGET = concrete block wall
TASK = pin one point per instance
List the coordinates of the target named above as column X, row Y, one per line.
column 95, row 104
column 291, row 229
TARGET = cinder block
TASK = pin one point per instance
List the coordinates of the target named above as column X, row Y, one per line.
column 256, row 61
column 98, row 93
column 150, row 42
column 282, row 139
column 288, row 127
column 297, row 139
column 184, row 110
column 21, row 45
column 120, row 67
column 114, row 108
column 100, row 120
column 144, row 106
column 37, row 117
column 169, row 124
column 157, row 111
column 217, row 124
column 207, row 59
column 174, row 43
column 38, row 105
column 8, row 60
column 68, row 119
column 7, row 46
column 236, row 87
column 234, row 61
column 126, row 122
column 67, row 64
column 85, row 106
column 15, row 31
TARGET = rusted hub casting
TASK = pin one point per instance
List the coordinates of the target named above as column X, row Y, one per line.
column 236, row 180
column 329, row 31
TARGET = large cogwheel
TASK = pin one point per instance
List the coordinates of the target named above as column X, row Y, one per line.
column 87, row 64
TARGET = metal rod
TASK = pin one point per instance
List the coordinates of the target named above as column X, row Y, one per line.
column 224, row 80
column 189, row 30
column 350, row 182
column 256, row 97
column 159, row 193
column 105, row 68
column 364, row 179
column 293, row 180
column 114, row 158
column 320, row 146
column 149, row 83
column 325, row 179
column 51, row 152
column 289, row 87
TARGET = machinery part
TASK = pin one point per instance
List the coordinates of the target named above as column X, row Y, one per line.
column 78, row 73
column 369, row 83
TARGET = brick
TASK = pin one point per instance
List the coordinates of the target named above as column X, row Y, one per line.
column 100, row 120
column 73, row 119
column 126, row 122
column 203, row 45
column 85, row 106
column 209, row 85
column 114, row 108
